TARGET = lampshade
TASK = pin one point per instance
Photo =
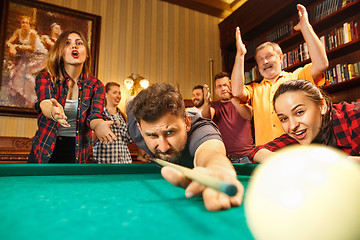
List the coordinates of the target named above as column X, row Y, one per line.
column 135, row 83
column 128, row 83
column 144, row 83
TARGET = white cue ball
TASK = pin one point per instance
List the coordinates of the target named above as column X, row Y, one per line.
column 307, row 193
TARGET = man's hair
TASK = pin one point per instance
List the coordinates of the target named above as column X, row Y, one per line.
column 198, row 87
column 275, row 46
column 221, row 75
column 157, row 100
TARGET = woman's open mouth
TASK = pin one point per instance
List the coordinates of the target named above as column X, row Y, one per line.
column 75, row 54
column 300, row 134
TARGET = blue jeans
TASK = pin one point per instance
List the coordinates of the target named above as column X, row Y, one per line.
column 236, row 159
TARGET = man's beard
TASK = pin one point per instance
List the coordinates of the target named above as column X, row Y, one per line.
column 165, row 155
column 199, row 104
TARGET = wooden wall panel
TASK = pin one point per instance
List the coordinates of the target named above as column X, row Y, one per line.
column 158, row 40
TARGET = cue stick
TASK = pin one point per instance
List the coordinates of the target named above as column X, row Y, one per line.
column 201, row 178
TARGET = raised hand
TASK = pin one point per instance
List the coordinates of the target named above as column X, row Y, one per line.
column 240, row 46
column 207, row 95
column 303, row 18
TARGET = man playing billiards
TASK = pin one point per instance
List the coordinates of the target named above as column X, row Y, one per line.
column 158, row 124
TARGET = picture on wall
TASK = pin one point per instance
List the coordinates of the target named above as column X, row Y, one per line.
column 28, row 31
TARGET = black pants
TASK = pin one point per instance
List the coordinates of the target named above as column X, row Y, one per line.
column 64, row 151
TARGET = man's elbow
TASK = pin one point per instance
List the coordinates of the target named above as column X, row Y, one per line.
column 241, row 96
column 238, row 93
column 321, row 65
column 324, row 65
column 319, row 70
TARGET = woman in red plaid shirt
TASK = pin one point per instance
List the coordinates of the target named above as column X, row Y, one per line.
column 308, row 116
column 69, row 105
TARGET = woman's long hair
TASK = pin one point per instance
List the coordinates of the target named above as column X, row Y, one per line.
column 326, row 135
column 55, row 62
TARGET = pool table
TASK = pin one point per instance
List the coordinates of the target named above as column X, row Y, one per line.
column 98, row 201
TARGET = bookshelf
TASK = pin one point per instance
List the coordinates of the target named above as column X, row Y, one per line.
column 262, row 20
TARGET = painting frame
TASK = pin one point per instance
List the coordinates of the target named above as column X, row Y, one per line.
column 41, row 13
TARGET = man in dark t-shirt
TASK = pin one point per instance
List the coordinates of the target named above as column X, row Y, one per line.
column 157, row 123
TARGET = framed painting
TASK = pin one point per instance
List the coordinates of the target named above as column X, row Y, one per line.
column 28, row 30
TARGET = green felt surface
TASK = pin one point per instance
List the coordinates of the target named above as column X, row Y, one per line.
column 107, row 203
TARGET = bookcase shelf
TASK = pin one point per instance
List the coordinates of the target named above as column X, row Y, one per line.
column 345, row 12
column 342, row 85
column 332, row 54
column 343, row 49
column 257, row 23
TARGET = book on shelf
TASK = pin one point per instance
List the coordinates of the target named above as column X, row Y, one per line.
column 326, row 8
column 297, row 55
column 357, row 69
column 347, row 32
column 347, row 36
column 281, row 32
column 252, row 75
column 284, row 62
column 306, row 52
column 356, row 29
column 322, row 40
column 338, row 73
column 342, row 72
column 247, row 77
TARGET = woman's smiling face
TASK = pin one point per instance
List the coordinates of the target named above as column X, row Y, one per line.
column 299, row 115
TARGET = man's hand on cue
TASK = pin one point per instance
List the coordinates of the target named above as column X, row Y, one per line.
column 213, row 200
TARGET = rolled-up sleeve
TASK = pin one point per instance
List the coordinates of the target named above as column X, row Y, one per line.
column 97, row 103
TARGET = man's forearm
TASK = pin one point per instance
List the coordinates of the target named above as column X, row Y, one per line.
column 244, row 110
column 262, row 155
column 238, row 79
column 317, row 52
column 212, row 154
column 206, row 111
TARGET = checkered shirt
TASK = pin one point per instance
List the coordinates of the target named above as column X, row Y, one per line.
column 345, row 120
column 116, row 151
column 91, row 100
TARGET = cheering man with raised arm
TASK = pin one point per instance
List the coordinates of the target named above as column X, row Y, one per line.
column 269, row 58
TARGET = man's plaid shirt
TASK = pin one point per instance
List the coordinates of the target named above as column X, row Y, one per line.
column 90, row 106
column 345, row 120
column 116, row 151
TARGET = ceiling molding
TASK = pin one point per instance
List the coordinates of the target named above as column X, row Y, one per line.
column 216, row 8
